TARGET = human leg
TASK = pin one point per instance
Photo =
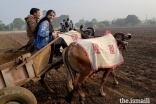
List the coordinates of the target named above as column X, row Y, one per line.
column 60, row 42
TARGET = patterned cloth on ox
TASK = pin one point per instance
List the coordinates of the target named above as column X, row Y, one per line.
column 102, row 52
column 70, row 36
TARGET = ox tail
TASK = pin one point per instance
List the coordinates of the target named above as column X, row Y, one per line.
column 69, row 97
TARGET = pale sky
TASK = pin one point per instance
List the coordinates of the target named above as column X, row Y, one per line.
column 79, row 9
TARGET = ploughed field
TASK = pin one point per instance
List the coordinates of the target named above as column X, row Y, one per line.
column 12, row 40
column 136, row 77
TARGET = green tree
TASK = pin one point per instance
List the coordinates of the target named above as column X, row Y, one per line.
column 101, row 25
column 81, row 22
column 2, row 26
column 88, row 24
column 94, row 20
column 44, row 13
column 18, row 23
column 56, row 22
column 7, row 28
column 11, row 26
column 62, row 17
column 151, row 22
column 106, row 23
column 95, row 23
column 132, row 20
column 119, row 22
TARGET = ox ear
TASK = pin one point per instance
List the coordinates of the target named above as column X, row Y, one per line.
column 127, row 36
column 81, row 26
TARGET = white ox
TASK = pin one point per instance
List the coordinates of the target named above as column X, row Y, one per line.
column 70, row 36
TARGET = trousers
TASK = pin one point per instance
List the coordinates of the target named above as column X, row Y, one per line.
column 59, row 43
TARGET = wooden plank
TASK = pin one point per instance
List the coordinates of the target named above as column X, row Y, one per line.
column 40, row 61
column 13, row 76
column 7, row 76
column 2, row 83
column 30, row 69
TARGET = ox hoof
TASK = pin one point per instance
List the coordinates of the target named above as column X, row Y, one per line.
column 116, row 83
column 102, row 94
column 82, row 99
column 69, row 89
column 82, row 102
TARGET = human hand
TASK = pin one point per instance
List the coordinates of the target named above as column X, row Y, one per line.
column 55, row 35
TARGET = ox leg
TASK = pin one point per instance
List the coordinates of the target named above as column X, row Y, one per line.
column 103, row 80
column 93, row 74
column 70, row 86
column 79, row 81
column 43, row 83
column 113, row 75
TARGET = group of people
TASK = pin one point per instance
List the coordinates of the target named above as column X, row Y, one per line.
column 41, row 32
column 67, row 25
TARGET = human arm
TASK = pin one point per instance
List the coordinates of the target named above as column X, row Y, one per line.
column 43, row 30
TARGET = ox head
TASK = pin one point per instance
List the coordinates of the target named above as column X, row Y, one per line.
column 88, row 33
column 122, row 36
column 121, row 40
column 121, row 45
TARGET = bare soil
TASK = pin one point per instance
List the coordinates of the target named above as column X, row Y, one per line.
column 12, row 40
column 136, row 77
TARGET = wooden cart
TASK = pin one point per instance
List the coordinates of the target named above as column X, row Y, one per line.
column 19, row 67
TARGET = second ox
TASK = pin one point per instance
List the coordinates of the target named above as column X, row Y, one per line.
column 89, row 56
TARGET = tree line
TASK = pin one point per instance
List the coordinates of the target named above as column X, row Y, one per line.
column 130, row 20
column 17, row 24
column 20, row 24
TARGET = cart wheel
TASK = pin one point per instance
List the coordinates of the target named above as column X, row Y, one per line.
column 16, row 95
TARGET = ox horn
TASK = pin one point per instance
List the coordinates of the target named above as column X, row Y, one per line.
column 92, row 33
column 89, row 33
column 81, row 28
column 127, row 36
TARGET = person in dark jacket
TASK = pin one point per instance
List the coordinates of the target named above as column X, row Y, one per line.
column 62, row 29
column 66, row 24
